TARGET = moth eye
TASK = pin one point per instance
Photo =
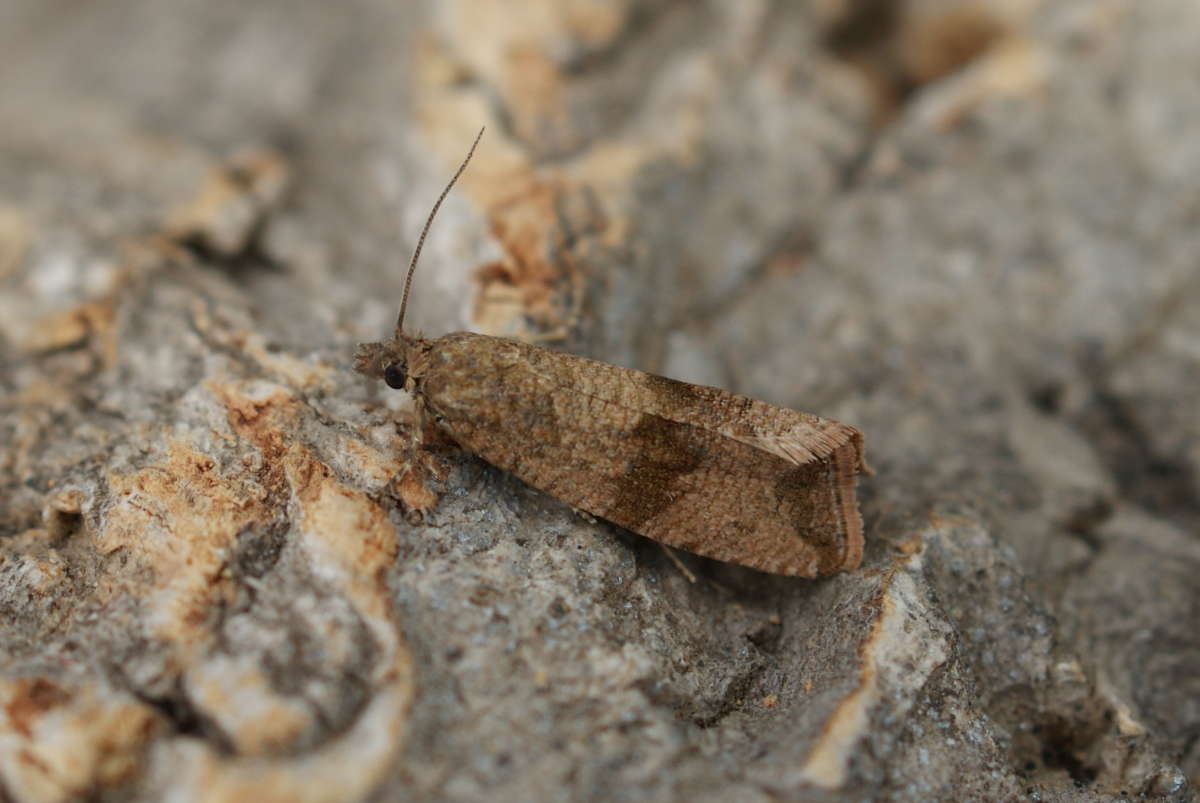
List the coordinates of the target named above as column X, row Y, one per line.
column 394, row 376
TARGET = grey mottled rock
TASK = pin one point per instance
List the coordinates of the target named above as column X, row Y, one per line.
column 965, row 227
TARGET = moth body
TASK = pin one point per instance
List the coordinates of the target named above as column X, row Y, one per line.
column 695, row 467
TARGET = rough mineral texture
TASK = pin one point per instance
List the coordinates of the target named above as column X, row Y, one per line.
column 966, row 227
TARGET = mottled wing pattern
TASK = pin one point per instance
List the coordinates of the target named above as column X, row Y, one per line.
column 698, row 468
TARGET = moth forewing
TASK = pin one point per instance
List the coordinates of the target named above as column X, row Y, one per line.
column 695, row 467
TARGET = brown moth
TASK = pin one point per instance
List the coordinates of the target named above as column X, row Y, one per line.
column 694, row 467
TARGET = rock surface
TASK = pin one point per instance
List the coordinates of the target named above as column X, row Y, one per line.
column 967, row 228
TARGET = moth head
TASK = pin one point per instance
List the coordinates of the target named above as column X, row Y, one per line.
column 387, row 361
column 398, row 362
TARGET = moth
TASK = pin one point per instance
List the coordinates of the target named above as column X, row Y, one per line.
column 694, row 467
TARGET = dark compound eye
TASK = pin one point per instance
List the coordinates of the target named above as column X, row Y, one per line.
column 394, row 376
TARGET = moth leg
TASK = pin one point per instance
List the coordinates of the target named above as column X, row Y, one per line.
column 420, row 468
column 583, row 514
column 684, row 570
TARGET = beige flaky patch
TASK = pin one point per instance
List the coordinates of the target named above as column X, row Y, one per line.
column 236, row 692
column 62, row 744
column 899, row 652
column 370, row 747
column 351, row 544
column 178, row 521
column 94, row 320
column 234, row 199
column 175, row 523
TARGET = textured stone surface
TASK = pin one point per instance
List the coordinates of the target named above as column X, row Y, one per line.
column 967, row 228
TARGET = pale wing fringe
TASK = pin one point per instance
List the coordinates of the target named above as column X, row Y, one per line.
column 801, row 445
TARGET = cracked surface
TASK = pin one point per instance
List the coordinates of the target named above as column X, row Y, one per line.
column 965, row 227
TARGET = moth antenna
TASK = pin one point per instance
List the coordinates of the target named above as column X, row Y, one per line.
column 421, row 241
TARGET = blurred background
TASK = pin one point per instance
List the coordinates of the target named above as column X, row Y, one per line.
column 967, row 227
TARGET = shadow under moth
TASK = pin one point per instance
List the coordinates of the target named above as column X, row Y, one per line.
column 694, row 467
